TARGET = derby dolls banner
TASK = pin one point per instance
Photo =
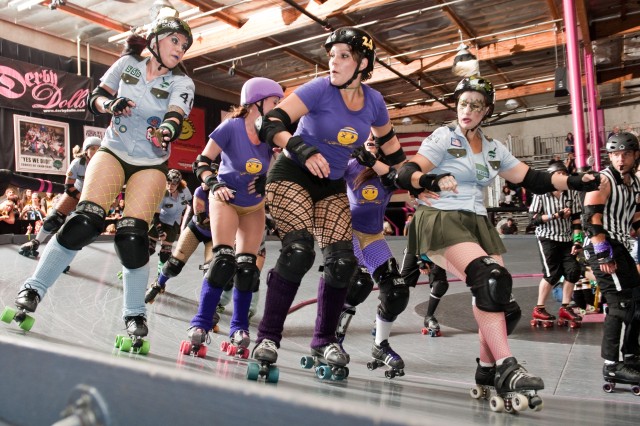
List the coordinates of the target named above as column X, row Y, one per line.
column 42, row 90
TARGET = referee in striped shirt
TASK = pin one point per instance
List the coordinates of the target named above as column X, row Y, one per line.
column 556, row 216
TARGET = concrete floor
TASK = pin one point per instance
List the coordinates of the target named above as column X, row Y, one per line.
column 71, row 344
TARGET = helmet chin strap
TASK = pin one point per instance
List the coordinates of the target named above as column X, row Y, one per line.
column 353, row 77
column 157, row 55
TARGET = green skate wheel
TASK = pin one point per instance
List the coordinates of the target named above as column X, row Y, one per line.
column 274, row 375
column 118, row 341
column 253, row 371
column 144, row 349
column 125, row 344
column 7, row 315
column 27, row 323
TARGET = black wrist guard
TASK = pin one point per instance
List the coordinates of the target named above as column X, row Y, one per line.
column 301, row 150
column 211, row 181
column 575, row 182
column 116, row 106
column 430, row 182
column 364, row 157
column 388, row 180
column 71, row 190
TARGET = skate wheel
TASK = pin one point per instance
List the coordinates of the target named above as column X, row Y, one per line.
column 608, row 387
column 185, row 347
column 496, row 403
column 143, row 349
column 476, row 392
column 27, row 323
column 118, row 341
column 202, row 352
column 635, row 390
column 245, row 353
column 125, row 344
column 371, row 366
column 253, row 371
column 274, row 375
column 232, row 350
column 306, row 362
column 536, row 403
column 389, row 374
column 224, row 346
column 533, row 323
column 520, row 402
column 323, row 372
column 424, row 331
column 8, row 315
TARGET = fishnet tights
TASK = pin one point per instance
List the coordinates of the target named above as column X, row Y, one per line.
column 492, row 328
column 292, row 209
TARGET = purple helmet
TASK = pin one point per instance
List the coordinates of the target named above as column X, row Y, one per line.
column 259, row 88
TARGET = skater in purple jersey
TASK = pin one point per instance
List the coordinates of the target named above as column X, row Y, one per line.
column 237, row 213
column 306, row 190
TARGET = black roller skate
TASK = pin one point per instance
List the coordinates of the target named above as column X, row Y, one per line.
column 542, row 318
column 384, row 355
column 566, row 316
column 30, row 249
column 266, row 353
column 153, row 291
column 330, row 362
column 485, row 381
column 620, row 373
column 27, row 301
column 238, row 346
column 516, row 389
column 431, row 327
column 136, row 330
column 196, row 343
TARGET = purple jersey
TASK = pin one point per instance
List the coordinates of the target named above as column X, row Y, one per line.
column 241, row 160
column 204, row 196
column 367, row 202
column 334, row 129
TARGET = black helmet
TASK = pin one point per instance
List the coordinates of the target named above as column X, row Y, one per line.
column 477, row 84
column 623, row 141
column 557, row 166
column 360, row 41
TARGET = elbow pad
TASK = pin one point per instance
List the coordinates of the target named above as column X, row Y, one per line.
column 538, row 182
column 407, row 170
column 268, row 128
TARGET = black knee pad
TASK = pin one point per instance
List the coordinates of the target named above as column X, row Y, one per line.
column 340, row 264
column 297, row 255
column 165, row 253
column 512, row 315
column 53, row 221
column 490, row 283
column 83, row 227
column 248, row 274
column 223, row 267
column 360, row 287
column 132, row 242
column 439, row 288
column 172, row 267
column 394, row 293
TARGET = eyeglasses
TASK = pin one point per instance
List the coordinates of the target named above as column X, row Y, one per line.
column 474, row 106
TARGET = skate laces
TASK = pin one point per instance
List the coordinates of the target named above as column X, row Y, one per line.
column 334, row 348
column 29, row 291
column 268, row 345
column 385, row 349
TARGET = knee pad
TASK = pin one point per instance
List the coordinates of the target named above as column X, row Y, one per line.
column 394, row 293
column 165, row 252
column 83, row 227
column 132, row 242
column 512, row 315
column 297, row 255
column 490, row 284
column 223, row 267
column 53, row 221
column 360, row 287
column 340, row 264
column 248, row 274
column 172, row 267
column 439, row 288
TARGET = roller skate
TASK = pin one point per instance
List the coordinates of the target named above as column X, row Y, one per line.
column 566, row 316
column 485, row 381
column 136, row 330
column 431, row 327
column 27, row 301
column 515, row 388
column 330, row 362
column 266, row 353
column 542, row 318
column 620, row 373
column 196, row 343
column 384, row 355
column 30, row 249
column 153, row 292
column 238, row 346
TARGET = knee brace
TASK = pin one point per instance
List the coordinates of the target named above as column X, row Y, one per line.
column 132, row 242
column 340, row 264
column 248, row 274
column 490, row 283
column 172, row 267
column 394, row 293
column 439, row 288
column 165, row 252
column 297, row 255
column 222, row 268
column 360, row 287
column 53, row 221
column 512, row 314
column 84, row 226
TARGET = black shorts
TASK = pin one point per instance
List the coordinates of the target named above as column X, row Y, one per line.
column 172, row 232
column 130, row 170
column 626, row 276
column 557, row 261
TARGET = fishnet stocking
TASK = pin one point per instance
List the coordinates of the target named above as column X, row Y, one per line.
column 186, row 245
column 333, row 220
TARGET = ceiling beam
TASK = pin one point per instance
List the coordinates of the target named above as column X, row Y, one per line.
column 207, row 6
column 583, row 23
column 91, row 16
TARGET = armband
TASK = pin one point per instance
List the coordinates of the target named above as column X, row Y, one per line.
column 538, row 182
column 386, row 138
column 604, row 252
column 577, row 226
column 95, row 94
column 578, row 237
column 576, row 183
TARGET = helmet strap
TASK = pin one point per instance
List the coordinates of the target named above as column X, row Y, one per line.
column 259, row 105
column 353, row 77
column 157, row 54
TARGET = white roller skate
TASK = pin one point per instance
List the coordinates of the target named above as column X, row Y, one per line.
column 330, row 362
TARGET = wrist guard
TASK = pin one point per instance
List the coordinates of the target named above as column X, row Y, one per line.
column 301, row 150
column 364, row 157
column 116, row 106
column 388, row 180
column 576, row 183
column 71, row 190
column 260, row 184
column 430, row 182
column 604, row 252
column 211, row 181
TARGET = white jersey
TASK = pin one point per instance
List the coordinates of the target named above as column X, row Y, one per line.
column 171, row 209
column 77, row 170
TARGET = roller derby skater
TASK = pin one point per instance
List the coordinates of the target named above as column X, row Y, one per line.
column 610, row 214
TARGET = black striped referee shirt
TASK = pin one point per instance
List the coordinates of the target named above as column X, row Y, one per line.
column 621, row 206
column 549, row 204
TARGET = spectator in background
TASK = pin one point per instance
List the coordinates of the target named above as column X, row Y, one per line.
column 509, row 228
column 25, row 199
column 569, row 143
column 570, row 164
column 7, row 209
column 46, row 203
column 507, row 197
column 405, row 232
column 630, row 129
column 7, row 193
column 614, row 131
column 33, row 211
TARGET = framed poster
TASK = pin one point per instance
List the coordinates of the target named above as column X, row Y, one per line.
column 93, row 131
column 41, row 146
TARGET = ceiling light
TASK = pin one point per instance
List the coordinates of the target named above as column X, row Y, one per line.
column 511, row 104
column 27, row 4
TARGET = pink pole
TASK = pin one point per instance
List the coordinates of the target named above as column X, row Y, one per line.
column 575, row 82
column 592, row 101
column 601, row 138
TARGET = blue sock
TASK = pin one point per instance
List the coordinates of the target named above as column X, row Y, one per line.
column 240, row 317
column 134, row 283
column 209, row 298
column 162, row 279
column 54, row 260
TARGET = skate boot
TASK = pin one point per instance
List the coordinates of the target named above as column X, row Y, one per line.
column 384, row 355
column 343, row 323
column 485, row 381
column 30, row 249
column 239, row 344
column 566, row 316
column 266, row 353
column 542, row 318
column 26, row 301
column 196, row 344
column 632, row 361
column 153, row 291
column 330, row 362
column 620, row 373
column 137, row 329
column 431, row 327
column 516, row 389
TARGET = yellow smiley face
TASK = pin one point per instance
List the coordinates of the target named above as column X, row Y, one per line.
column 253, row 166
column 347, row 136
column 187, row 130
column 370, row 192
